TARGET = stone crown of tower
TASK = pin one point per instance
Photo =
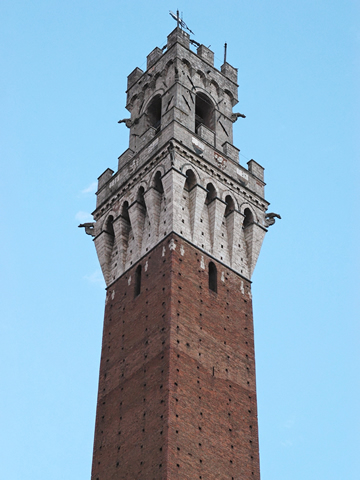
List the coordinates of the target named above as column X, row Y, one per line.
column 181, row 172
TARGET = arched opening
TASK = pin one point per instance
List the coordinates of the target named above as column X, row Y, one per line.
column 211, row 193
column 140, row 196
column 249, row 218
column 157, row 183
column 154, row 113
column 204, row 111
column 137, row 288
column 109, row 227
column 230, row 205
column 125, row 212
column 190, row 180
column 212, row 277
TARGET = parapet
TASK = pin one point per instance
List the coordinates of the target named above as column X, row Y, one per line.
column 206, row 54
column 134, row 76
column 178, row 36
column 104, row 177
column 153, row 57
column 230, row 72
column 256, row 169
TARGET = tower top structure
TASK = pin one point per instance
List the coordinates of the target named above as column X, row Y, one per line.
column 180, row 148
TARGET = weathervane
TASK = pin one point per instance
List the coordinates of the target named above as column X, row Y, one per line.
column 180, row 21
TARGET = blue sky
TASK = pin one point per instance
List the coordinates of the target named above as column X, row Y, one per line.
column 62, row 91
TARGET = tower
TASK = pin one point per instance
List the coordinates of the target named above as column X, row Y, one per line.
column 178, row 230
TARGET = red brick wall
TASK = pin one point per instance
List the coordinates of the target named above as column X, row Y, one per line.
column 177, row 396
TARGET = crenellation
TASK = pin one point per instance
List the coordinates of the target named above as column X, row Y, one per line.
column 134, row 77
column 230, row 72
column 256, row 169
column 231, row 151
column 104, row 178
column 206, row 54
column 178, row 37
column 153, row 57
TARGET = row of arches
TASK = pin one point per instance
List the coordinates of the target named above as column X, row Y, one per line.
column 214, row 222
column 134, row 229
column 191, row 182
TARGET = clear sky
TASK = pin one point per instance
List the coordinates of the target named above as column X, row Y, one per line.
column 62, row 90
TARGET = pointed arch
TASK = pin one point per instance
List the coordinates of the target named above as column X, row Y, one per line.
column 125, row 211
column 155, row 204
column 204, row 111
column 153, row 112
column 247, row 206
column 230, row 205
column 216, row 85
column 140, row 196
column 188, row 65
column 109, row 227
column 157, row 182
column 191, row 179
column 249, row 218
column 211, row 193
column 231, row 97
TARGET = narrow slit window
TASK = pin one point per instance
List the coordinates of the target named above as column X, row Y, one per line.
column 212, row 277
column 137, row 281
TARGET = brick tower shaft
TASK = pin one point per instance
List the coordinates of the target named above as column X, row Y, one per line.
column 177, row 391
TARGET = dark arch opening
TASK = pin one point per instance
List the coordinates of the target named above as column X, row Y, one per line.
column 211, row 193
column 109, row 227
column 157, row 183
column 212, row 277
column 140, row 196
column 154, row 113
column 190, row 180
column 230, row 205
column 204, row 111
column 125, row 212
column 249, row 217
column 137, row 288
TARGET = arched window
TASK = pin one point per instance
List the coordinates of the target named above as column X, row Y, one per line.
column 211, row 193
column 109, row 227
column 140, row 196
column 212, row 277
column 125, row 212
column 190, row 180
column 154, row 113
column 137, row 289
column 249, row 217
column 230, row 205
column 204, row 111
column 157, row 183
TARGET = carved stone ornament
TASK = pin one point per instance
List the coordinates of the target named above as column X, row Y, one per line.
column 133, row 165
column 220, row 161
